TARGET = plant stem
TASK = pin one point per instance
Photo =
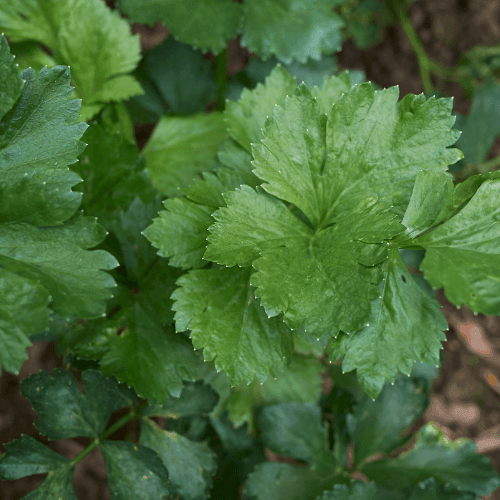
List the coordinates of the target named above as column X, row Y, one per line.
column 220, row 74
column 418, row 48
column 134, row 413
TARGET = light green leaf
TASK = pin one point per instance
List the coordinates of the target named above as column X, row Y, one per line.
column 109, row 49
column 64, row 412
column 332, row 89
column 469, row 241
column 429, row 195
column 182, row 147
column 376, row 426
column 405, row 324
column 134, row 472
column 326, row 168
column 245, row 118
column 34, row 19
column 432, row 490
column 225, row 319
column 180, row 232
column 452, row 462
column 11, row 84
column 296, row 430
column 211, row 24
column 252, row 223
column 19, row 294
column 291, row 29
column 190, row 464
column 321, row 285
column 412, row 135
column 31, row 55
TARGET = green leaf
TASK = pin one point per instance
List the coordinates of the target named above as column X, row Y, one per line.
column 376, row 426
column 482, row 126
column 190, row 465
column 183, row 80
column 431, row 490
column 180, row 232
column 321, row 285
column 11, row 84
column 326, row 168
column 38, row 140
column 245, row 118
column 19, row 294
column 405, row 324
column 358, row 491
column 196, row 398
column 291, row 29
column 296, row 430
column 134, row 472
column 225, row 319
column 252, row 223
column 211, row 25
column 452, row 462
column 64, row 412
column 429, row 195
column 469, row 241
column 27, row 456
column 279, row 481
column 48, row 256
column 145, row 353
column 182, row 147
column 300, row 381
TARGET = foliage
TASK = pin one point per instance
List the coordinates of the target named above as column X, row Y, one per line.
column 256, row 254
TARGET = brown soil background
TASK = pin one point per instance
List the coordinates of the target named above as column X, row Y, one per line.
column 465, row 399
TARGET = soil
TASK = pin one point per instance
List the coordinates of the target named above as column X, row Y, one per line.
column 465, row 399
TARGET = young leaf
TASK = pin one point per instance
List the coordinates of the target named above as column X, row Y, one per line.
column 455, row 463
column 64, row 412
column 245, row 117
column 182, row 147
column 110, row 51
column 469, row 242
column 190, row 464
column 225, row 319
column 291, row 29
column 405, row 324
